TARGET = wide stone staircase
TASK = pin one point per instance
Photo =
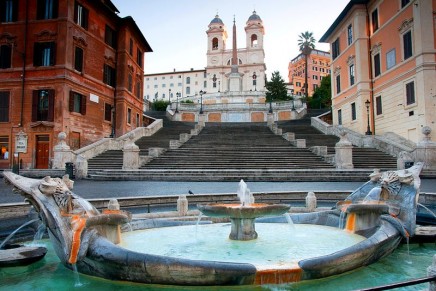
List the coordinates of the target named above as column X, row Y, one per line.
column 113, row 159
column 233, row 151
column 363, row 158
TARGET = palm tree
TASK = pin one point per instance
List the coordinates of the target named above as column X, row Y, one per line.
column 306, row 42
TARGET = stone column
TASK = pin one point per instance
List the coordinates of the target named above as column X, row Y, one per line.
column 81, row 167
column 311, row 202
column 182, row 205
column 130, row 154
column 62, row 153
column 344, row 152
column 426, row 150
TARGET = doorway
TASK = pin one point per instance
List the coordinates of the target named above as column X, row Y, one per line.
column 42, row 151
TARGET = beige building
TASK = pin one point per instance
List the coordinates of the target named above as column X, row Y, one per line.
column 383, row 67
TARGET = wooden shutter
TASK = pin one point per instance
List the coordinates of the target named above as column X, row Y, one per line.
column 51, row 100
column 35, row 106
column 83, row 104
column 71, row 102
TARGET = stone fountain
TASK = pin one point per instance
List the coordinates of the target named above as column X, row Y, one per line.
column 242, row 215
column 381, row 211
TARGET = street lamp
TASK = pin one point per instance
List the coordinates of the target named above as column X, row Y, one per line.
column 201, row 100
column 169, row 96
column 293, row 99
column 368, row 129
column 177, row 101
column 254, row 80
column 270, row 101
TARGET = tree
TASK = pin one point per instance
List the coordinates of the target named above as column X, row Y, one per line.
column 306, row 42
column 276, row 88
column 322, row 97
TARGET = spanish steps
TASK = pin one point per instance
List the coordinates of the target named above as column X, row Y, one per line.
column 233, row 151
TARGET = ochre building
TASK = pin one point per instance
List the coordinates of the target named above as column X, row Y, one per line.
column 66, row 66
column 384, row 67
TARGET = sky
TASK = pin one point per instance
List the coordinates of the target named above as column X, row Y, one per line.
column 176, row 29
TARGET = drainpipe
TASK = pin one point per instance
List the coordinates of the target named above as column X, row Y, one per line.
column 371, row 79
column 23, row 73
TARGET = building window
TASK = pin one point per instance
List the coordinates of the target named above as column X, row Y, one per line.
column 164, row 85
column 351, row 70
column 374, row 20
column 5, row 56
column 138, row 89
column 9, row 10
column 78, row 59
column 378, row 105
column 404, row 3
column 81, row 15
column 205, row 84
column 410, row 93
column 44, row 54
column 77, row 103
column 107, row 112
column 353, row 111
column 131, row 47
column 340, row 117
column 188, row 90
column 377, row 69
column 129, row 115
column 137, row 120
column 130, row 83
column 338, row 84
column 350, row 34
column 43, row 105
column 4, row 148
column 254, row 40
column 188, row 80
column 4, row 106
column 139, row 57
column 335, row 48
column 214, row 43
column 298, row 84
column 407, row 44
column 109, row 75
column 390, row 59
column 110, row 36
column 47, row 9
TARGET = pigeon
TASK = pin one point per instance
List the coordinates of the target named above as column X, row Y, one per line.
column 190, row 192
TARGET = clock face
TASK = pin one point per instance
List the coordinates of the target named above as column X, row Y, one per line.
column 214, row 60
column 254, row 58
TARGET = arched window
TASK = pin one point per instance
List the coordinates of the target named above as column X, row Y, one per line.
column 215, row 43
column 254, row 40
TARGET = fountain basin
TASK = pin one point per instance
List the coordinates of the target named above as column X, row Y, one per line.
column 242, row 216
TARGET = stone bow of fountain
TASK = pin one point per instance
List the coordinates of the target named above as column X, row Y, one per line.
column 242, row 215
column 381, row 212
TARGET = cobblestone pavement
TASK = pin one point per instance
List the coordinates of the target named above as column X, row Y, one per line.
column 113, row 189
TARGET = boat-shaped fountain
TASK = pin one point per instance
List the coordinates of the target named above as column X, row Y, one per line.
column 380, row 213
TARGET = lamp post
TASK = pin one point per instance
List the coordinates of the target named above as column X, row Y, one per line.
column 169, row 96
column 293, row 100
column 270, row 102
column 201, row 100
column 254, row 80
column 368, row 129
column 177, row 101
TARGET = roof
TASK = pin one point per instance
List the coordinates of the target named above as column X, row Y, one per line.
column 176, row 72
column 128, row 20
column 340, row 18
column 216, row 20
column 254, row 17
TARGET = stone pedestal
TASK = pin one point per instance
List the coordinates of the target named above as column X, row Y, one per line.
column 184, row 137
column 113, row 232
column 81, row 167
column 182, row 205
column 289, row 136
column 62, row 153
column 426, row 150
column 242, row 229
column 270, row 119
column 130, row 155
column 344, row 153
column 311, row 202
column 300, row 143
